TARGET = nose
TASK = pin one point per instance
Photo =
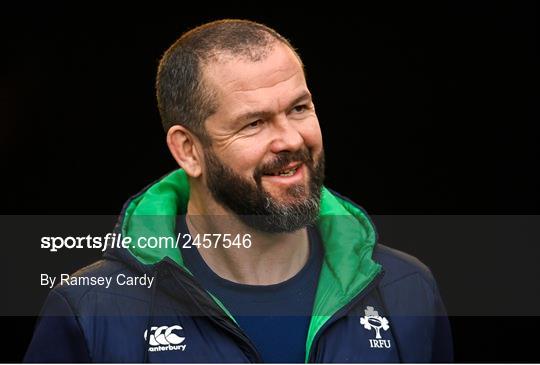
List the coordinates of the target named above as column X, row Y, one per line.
column 286, row 137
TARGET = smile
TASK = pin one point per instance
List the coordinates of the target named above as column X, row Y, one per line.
column 290, row 174
column 287, row 172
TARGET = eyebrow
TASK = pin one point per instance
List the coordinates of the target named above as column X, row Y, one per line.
column 264, row 114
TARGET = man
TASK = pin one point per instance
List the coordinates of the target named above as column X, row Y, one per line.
column 274, row 267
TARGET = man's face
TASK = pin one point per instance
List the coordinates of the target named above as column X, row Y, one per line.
column 266, row 162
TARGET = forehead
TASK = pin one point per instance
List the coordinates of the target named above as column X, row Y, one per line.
column 270, row 83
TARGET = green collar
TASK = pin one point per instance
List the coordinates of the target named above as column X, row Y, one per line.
column 346, row 232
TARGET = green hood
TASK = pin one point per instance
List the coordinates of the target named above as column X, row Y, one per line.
column 347, row 234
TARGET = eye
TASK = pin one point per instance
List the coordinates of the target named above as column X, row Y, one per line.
column 300, row 108
column 255, row 124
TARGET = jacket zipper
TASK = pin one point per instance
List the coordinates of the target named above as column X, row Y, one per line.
column 340, row 313
column 226, row 324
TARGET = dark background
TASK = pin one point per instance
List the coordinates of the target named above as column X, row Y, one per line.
column 424, row 109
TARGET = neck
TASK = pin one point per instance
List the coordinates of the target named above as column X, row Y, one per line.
column 271, row 259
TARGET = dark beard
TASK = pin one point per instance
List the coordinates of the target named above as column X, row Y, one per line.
column 254, row 205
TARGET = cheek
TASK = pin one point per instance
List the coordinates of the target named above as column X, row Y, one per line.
column 244, row 159
column 312, row 135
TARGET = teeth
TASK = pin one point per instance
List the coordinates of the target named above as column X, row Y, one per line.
column 287, row 172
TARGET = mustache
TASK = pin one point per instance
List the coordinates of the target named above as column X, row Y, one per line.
column 282, row 160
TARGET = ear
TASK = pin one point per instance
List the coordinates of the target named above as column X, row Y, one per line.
column 184, row 147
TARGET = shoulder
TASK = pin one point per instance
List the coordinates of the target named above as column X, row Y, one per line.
column 96, row 288
column 399, row 265
column 407, row 285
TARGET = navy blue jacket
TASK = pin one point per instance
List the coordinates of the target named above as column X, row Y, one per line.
column 373, row 303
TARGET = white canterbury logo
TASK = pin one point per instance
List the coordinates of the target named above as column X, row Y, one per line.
column 163, row 339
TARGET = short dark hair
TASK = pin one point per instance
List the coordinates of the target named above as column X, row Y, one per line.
column 182, row 96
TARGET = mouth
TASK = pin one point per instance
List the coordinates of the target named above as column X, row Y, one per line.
column 291, row 174
column 289, row 170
